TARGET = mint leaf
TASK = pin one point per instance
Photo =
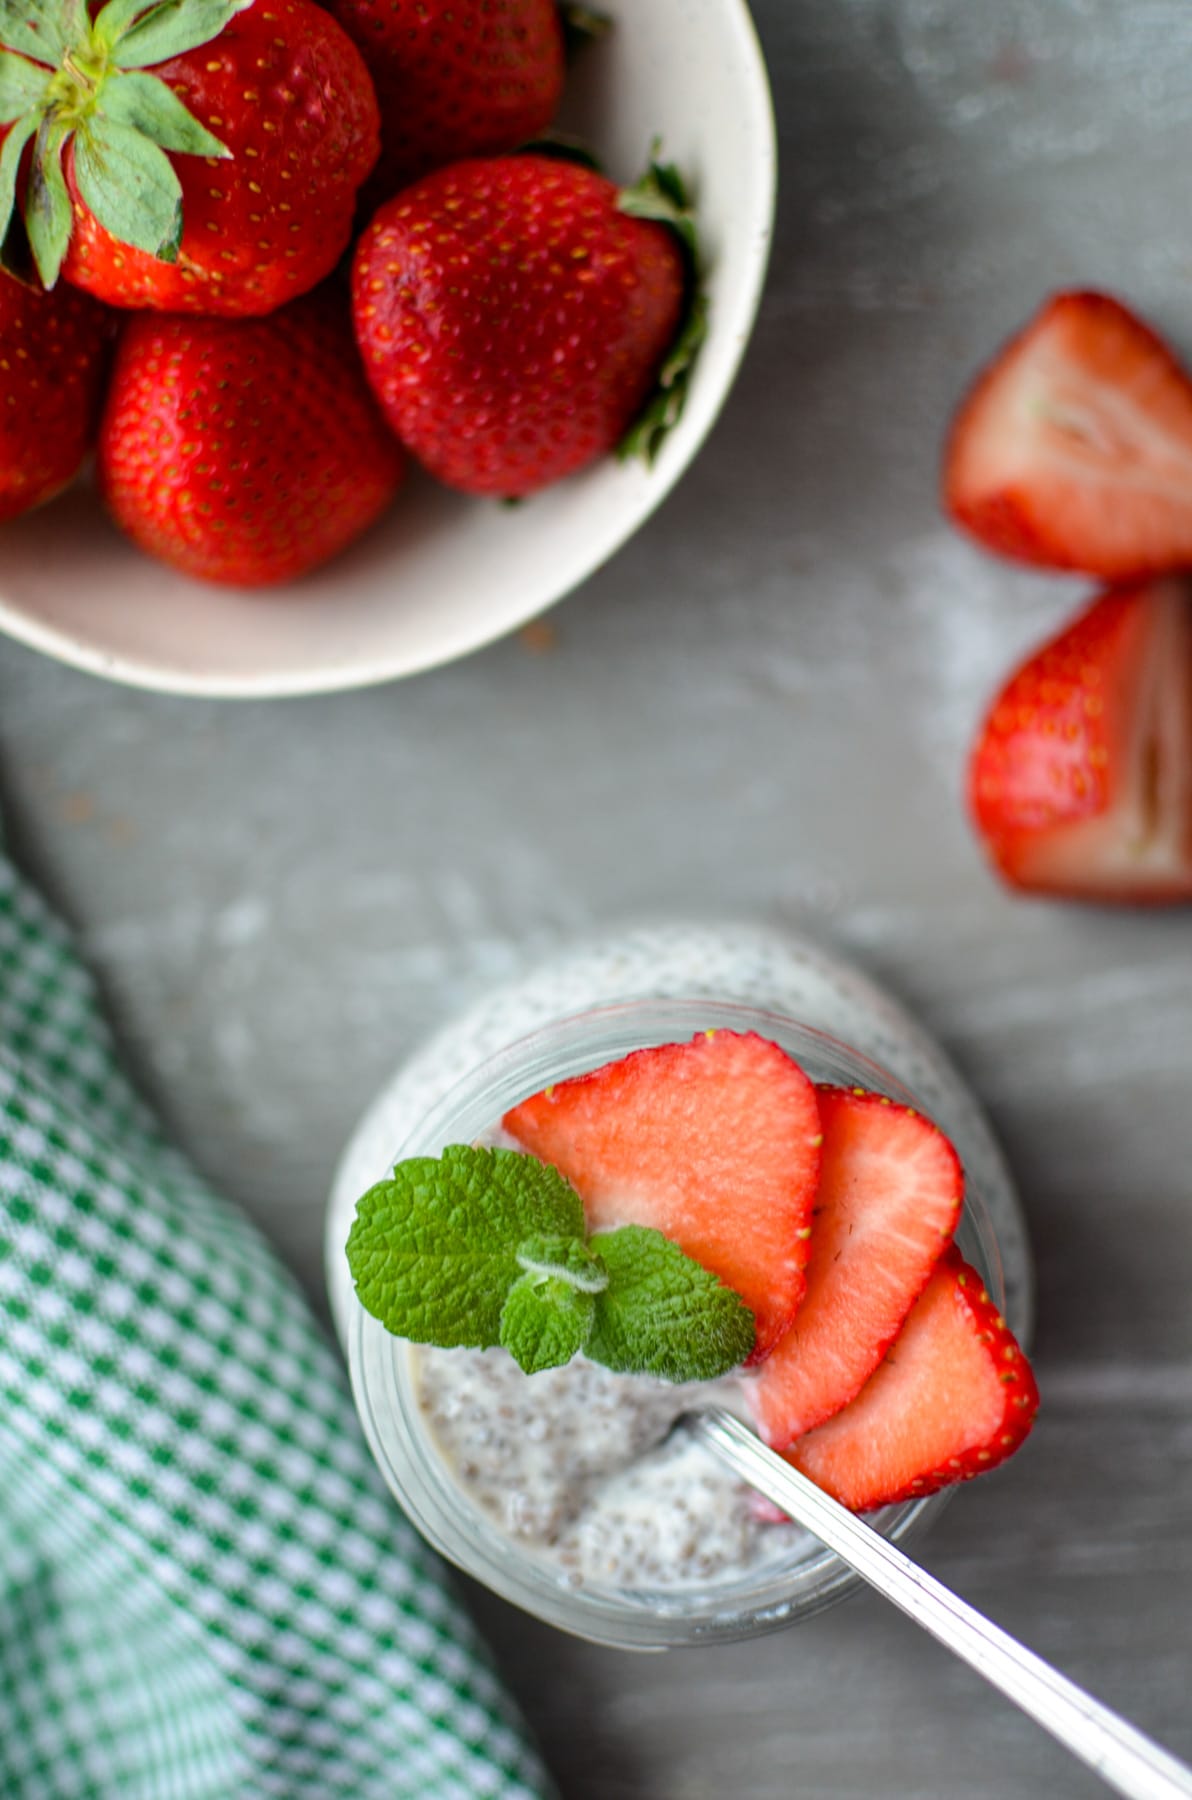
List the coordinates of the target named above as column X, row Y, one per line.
column 482, row 1247
column 565, row 1259
column 663, row 1313
column 545, row 1321
column 434, row 1250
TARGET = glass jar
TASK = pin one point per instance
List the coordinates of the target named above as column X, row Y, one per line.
column 462, row 1084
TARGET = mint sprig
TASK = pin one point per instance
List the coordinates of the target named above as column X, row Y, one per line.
column 655, row 1293
column 482, row 1247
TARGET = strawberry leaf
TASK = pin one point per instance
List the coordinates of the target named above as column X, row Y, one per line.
column 665, row 406
column 22, row 84
column 10, row 164
column 582, row 25
column 563, row 148
column 119, row 16
column 172, row 28
column 130, row 186
column 76, row 21
column 662, row 195
column 147, row 105
column 35, row 28
column 48, row 212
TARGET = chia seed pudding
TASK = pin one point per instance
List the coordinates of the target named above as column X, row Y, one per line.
column 560, row 1490
column 574, row 1464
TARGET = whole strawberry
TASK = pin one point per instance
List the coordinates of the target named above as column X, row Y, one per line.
column 245, row 451
column 455, row 78
column 200, row 156
column 514, row 318
column 53, row 352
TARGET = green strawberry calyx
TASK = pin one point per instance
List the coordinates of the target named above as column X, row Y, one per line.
column 483, row 1247
column 68, row 79
column 582, row 25
column 662, row 195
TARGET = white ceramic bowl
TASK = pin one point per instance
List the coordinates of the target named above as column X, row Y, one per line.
column 443, row 574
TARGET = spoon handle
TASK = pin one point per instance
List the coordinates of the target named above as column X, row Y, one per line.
column 1122, row 1755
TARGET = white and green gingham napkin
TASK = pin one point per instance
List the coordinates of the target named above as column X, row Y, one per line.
column 205, row 1592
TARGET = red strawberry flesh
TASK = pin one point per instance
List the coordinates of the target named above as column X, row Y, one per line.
column 953, row 1398
column 890, row 1196
column 715, row 1143
column 1080, row 782
column 1074, row 449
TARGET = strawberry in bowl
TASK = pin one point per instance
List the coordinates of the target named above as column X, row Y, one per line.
column 54, row 351
column 455, row 78
column 441, row 573
column 191, row 158
column 514, row 314
column 245, row 451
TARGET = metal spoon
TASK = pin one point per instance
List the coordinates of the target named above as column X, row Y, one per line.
column 1121, row 1755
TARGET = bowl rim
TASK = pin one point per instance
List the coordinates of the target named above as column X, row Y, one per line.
column 152, row 674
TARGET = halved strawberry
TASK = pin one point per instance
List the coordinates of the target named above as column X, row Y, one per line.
column 1074, row 449
column 890, row 1195
column 715, row 1142
column 954, row 1397
column 1080, row 781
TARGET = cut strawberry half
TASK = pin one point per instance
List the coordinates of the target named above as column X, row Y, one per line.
column 1074, row 449
column 954, row 1397
column 716, row 1143
column 890, row 1196
column 1080, row 781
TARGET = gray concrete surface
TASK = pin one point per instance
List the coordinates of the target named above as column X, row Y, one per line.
column 761, row 707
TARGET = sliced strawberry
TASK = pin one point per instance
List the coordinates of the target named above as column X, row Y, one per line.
column 1074, row 449
column 890, row 1195
column 1080, row 781
column 716, row 1143
column 954, row 1396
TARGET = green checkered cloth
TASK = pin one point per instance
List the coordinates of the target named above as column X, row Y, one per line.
column 205, row 1592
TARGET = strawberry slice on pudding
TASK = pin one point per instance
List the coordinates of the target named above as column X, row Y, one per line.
column 890, row 1196
column 953, row 1397
column 716, row 1143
